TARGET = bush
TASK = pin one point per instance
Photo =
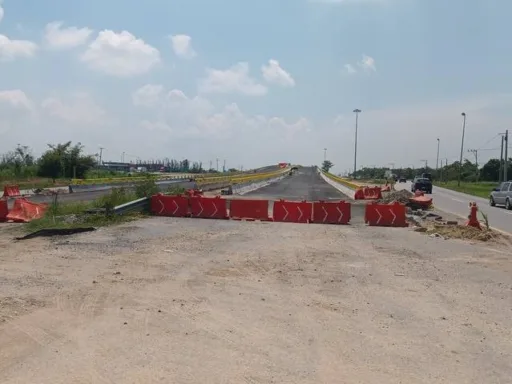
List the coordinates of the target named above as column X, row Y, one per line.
column 146, row 188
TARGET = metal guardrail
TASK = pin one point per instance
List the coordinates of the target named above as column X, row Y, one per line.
column 138, row 205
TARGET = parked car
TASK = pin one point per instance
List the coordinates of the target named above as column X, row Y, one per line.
column 402, row 179
column 502, row 195
column 421, row 184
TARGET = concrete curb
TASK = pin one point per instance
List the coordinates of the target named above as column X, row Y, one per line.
column 342, row 188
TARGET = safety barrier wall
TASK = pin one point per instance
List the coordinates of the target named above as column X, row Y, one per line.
column 4, row 210
column 385, row 215
column 318, row 212
column 11, row 191
column 24, row 211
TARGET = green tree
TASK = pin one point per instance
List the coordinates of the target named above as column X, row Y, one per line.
column 65, row 160
column 327, row 165
column 491, row 170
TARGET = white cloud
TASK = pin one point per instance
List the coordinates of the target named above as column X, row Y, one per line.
column 349, row 69
column 12, row 49
column 148, row 96
column 120, row 54
column 185, row 117
column 15, row 98
column 368, row 63
column 80, row 108
column 273, row 73
column 235, row 79
column 182, row 46
column 57, row 37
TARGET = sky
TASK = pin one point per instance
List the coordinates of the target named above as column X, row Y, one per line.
column 258, row 82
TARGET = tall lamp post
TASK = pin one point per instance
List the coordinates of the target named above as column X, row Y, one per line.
column 437, row 158
column 325, row 154
column 357, row 112
column 463, row 114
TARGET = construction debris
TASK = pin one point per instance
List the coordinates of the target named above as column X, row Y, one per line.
column 461, row 232
column 402, row 196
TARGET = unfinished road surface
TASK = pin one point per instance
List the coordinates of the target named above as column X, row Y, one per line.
column 305, row 184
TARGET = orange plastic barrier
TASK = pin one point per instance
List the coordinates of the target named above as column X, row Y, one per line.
column 359, row 194
column 422, row 201
column 4, row 210
column 472, row 218
column 208, row 207
column 372, row 193
column 385, row 215
column 292, row 211
column 249, row 209
column 11, row 191
column 24, row 211
column 331, row 212
column 174, row 206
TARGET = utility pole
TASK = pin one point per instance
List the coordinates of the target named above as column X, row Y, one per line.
column 463, row 114
column 357, row 112
column 500, row 176
column 475, row 152
column 505, row 170
column 101, row 155
column 210, row 166
column 426, row 165
column 437, row 158
column 217, row 164
column 325, row 154
column 224, row 166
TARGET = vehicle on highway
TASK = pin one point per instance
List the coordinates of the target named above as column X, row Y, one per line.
column 402, row 179
column 421, row 184
column 427, row 176
column 502, row 195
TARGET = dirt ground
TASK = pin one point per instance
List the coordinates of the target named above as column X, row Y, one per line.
column 166, row 300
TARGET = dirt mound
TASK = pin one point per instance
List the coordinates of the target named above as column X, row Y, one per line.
column 463, row 232
column 402, row 196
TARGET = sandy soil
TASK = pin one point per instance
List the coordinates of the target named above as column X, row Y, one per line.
column 196, row 301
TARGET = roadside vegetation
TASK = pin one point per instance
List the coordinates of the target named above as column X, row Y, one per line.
column 96, row 213
column 62, row 162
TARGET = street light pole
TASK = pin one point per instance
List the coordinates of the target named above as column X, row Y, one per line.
column 357, row 112
column 437, row 158
column 505, row 170
column 325, row 154
column 463, row 114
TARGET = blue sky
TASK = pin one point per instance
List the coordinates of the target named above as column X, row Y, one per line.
column 412, row 66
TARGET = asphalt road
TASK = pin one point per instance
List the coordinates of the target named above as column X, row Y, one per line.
column 458, row 203
column 307, row 185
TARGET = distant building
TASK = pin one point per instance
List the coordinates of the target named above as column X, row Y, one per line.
column 115, row 166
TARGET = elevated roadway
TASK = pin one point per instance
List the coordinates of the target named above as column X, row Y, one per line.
column 306, row 184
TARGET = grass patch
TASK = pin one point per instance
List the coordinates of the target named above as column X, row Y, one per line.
column 74, row 215
column 175, row 190
column 481, row 189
